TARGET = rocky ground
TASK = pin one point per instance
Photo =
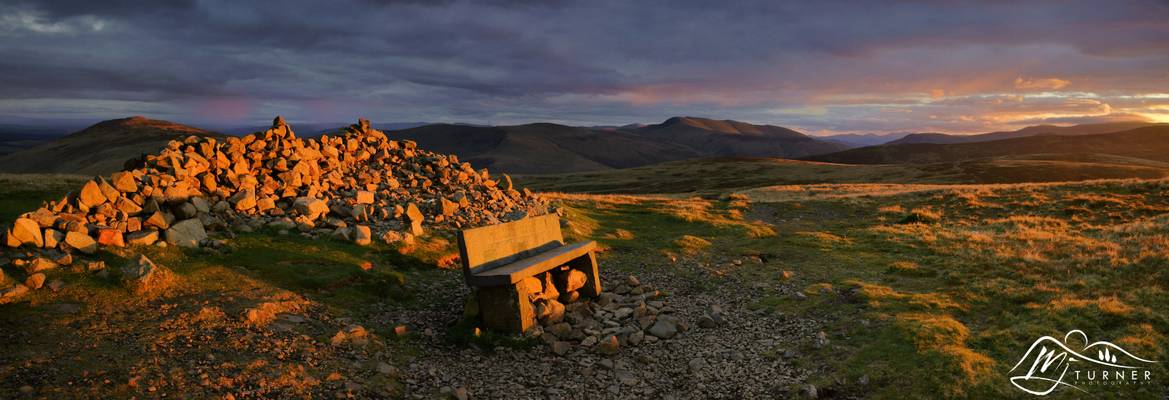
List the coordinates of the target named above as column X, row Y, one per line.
column 249, row 340
column 745, row 355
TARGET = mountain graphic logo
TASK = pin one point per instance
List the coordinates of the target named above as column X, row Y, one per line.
column 1050, row 364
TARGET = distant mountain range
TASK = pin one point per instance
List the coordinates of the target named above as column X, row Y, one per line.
column 527, row 149
column 552, row 148
column 1150, row 142
column 544, row 148
column 1074, row 130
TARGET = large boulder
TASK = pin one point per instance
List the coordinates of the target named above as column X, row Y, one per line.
column 447, row 207
column 10, row 294
column 142, row 275
column 414, row 218
column 27, row 231
column 157, row 220
column 310, row 207
column 110, row 237
column 53, row 238
column 186, row 233
column 35, row 281
column 244, row 200
column 124, row 182
column 663, row 328
column 362, row 235
column 364, row 197
column 142, row 238
column 572, row 280
column 39, row 264
column 81, row 241
column 91, row 195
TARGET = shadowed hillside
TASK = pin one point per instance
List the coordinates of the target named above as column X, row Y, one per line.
column 865, row 139
column 538, row 148
column 544, row 148
column 99, row 149
column 1075, row 130
column 733, row 138
column 551, row 148
column 1151, row 143
column 712, row 175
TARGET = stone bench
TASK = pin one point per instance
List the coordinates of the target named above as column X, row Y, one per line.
column 499, row 262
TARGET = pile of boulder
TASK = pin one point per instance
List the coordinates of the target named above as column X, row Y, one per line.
column 630, row 315
column 359, row 185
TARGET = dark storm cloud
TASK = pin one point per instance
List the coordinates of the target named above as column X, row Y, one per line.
column 815, row 65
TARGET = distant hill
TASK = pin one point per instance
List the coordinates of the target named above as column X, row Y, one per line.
column 720, row 174
column 14, row 142
column 864, row 139
column 543, row 148
column 733, row 138
column 17, row 137
column 98, row 149
column 552, row 148
column 1149, row 143
column 526, row 149
column 1084, row 129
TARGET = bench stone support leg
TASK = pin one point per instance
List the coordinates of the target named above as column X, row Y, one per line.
column 506, row 308
column 588, row 264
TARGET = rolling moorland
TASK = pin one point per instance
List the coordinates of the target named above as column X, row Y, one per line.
column 900, row 280
column 1038, row 130
column 531, row 148
column 1144, row 143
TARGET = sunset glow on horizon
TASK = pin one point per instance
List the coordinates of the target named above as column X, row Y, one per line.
column 829, row 67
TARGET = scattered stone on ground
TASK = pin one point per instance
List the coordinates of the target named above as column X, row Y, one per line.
column 735, row 359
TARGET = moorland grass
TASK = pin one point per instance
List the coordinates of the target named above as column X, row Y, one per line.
column 949, row 293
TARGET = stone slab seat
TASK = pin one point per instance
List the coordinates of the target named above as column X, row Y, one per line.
column 515, row 271
column 497, row 257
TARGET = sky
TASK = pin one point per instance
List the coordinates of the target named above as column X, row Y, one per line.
column 821, row 67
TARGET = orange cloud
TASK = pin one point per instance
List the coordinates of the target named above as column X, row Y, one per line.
column 1040, row 84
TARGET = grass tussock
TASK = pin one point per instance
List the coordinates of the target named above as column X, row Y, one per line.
column 691, row 245
column 942, row 338
column 922, row 215
column 885, row 297
column 826, row 238
column 1110, row 305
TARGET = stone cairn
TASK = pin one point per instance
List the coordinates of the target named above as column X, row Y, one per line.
column 358, row 186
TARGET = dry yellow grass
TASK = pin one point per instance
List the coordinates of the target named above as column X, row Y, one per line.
column 942, row 334
column 1108, row 305
column 826, row 238
column 882, row 296
column 960, row 297
column 691, row 245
